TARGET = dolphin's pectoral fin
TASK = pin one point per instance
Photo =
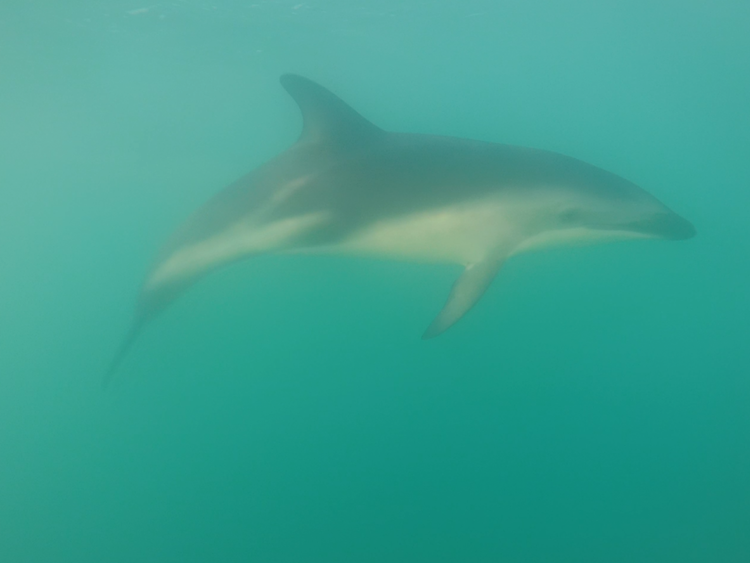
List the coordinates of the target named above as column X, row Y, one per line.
column 466, row 291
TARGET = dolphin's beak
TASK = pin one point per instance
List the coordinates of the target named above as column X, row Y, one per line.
column 665, row 225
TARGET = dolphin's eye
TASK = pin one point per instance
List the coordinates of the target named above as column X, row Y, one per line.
column 570, row 215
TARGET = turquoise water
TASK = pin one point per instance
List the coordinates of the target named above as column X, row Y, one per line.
column 594, row 405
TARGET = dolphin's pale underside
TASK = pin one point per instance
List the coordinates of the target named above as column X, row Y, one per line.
column 348, row 187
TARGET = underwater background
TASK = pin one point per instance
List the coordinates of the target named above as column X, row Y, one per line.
column 594, row 406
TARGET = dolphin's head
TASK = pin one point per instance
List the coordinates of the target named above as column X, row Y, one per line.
column 614, row 206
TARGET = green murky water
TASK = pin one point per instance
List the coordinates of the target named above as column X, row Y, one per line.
column 592, row 408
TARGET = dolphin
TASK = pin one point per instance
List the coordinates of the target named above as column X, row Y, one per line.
column 348, row 187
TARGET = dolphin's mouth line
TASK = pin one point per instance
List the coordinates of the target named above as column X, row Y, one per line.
column 668, row 226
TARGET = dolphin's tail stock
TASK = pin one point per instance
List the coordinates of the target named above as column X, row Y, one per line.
column 127, row 342
column 148, row 306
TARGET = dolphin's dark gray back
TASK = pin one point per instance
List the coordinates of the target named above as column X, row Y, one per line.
column 361, row 173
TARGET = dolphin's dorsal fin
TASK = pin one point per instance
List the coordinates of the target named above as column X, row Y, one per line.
column 325, row 116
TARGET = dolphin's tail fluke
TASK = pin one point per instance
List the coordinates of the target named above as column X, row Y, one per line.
column 122, row 351
column 149, row 304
